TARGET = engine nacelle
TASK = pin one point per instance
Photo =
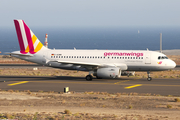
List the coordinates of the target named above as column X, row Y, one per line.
column 128, row 73
column 111, row 72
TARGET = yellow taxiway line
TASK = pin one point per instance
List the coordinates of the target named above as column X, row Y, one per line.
column 133, row 86
column 17, row 83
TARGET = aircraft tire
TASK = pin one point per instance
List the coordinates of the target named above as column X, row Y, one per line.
column 88, row 77
column 149, row 78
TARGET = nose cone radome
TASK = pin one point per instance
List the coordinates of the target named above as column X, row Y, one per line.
column 172, row 64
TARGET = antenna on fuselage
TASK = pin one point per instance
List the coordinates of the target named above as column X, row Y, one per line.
column 161, row 42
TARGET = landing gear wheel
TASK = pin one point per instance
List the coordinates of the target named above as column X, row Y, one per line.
column 88, row 77
column 149, row 78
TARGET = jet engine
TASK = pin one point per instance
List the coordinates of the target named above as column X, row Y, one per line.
column 110, row 72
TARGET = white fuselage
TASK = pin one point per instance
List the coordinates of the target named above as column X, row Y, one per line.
column 131, row 60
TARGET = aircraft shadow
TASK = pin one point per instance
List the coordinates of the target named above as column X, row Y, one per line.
column 59, row 78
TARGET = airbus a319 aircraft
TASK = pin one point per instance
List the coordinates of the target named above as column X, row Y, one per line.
column 99, row 63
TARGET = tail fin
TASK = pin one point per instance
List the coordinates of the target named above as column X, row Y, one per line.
column 28, row 42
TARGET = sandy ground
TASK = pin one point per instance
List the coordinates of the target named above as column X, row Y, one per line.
column 88, row 105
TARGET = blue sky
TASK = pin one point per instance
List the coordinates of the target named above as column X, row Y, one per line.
column 91, row 13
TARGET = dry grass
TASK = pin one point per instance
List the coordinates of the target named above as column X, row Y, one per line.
column 67, row 111
column 169, row 106
column 177, row 100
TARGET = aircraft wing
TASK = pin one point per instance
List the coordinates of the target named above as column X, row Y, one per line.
column 80, row 63
column 93, row 65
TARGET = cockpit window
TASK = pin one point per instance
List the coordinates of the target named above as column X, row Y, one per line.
column 162, row 57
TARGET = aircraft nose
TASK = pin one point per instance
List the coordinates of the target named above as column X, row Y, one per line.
column 172, row 64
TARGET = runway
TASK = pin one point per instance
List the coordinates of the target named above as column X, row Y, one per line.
column 79, row 84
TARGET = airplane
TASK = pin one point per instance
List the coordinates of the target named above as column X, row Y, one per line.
column 99, row 63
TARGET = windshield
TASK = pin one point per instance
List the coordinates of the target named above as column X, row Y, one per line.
column 162, row 57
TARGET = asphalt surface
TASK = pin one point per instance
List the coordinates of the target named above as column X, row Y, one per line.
column 79, row 84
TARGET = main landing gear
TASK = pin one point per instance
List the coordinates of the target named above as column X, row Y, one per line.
column 89, row 77
column 149, row 78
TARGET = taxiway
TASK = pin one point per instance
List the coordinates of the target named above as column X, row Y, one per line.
column 79, row 84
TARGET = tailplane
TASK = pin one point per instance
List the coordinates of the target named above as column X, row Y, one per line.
column 28, row 42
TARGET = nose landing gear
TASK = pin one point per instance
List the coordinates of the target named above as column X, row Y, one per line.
column 149, row 76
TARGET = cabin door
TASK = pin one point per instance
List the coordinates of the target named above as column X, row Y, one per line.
column 148, row 58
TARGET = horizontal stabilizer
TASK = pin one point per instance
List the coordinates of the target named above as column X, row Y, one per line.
column 28, row 55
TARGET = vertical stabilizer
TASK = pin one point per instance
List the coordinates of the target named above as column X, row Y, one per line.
column 28, row 42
